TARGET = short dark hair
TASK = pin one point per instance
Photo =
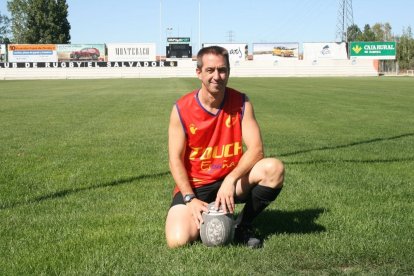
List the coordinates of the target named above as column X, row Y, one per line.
column 215, row 50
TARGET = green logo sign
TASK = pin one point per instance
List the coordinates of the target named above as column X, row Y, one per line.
column 178, row 39
column 372, row 50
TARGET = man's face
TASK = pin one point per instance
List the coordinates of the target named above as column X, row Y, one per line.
column 214, row 74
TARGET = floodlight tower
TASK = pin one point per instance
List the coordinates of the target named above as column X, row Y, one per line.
column 345, row 19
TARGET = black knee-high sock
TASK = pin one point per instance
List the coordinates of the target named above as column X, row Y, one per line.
column 259, row 198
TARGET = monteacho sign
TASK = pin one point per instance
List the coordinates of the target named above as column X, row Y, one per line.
column 372, row 50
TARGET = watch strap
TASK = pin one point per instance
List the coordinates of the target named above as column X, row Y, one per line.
column 188, row 198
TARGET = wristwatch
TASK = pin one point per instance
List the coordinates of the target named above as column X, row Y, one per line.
column 187, row 198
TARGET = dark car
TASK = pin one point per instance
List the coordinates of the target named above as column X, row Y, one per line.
column 86, row 53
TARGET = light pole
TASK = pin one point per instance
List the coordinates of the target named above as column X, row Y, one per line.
column 167, row 35
column 199, row 25
column 168, row 32
column 160, row 42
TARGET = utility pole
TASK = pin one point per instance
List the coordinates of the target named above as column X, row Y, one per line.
column 344, row 20
column 230, row 36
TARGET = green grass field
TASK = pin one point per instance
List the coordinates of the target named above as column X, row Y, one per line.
column 85, row 186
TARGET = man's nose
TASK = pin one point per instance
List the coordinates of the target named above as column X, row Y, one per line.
column 216, row 74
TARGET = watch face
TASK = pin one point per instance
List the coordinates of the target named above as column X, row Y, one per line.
column 188, row 198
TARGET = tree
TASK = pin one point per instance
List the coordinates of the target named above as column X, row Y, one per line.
column 40, row 21
column 405, row 49
column 387, row 32
column 354, row 33
column 382, row 32
column 368, row 34
column 18, row 10
column 4, row 29
column 378, row 32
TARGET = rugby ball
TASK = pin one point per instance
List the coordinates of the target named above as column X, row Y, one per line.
column 217, row 228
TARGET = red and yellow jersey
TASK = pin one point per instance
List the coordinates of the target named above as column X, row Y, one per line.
column 214, row 141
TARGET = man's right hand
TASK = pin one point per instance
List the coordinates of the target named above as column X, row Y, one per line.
column 197, row 207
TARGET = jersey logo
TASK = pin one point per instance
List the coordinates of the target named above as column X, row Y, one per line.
column 193, row 129
column 231, row 120
column 216, row 152
column 196, row 180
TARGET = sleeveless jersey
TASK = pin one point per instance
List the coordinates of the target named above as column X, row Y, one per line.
column 214, row 141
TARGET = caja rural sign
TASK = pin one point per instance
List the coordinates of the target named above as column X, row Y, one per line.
column 372, row 50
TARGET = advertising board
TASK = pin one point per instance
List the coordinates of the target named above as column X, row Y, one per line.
column 372, row 50
column 275, row 51
column 324, row 50
column 3, row 53
column 32, row 53
column 131, row 51
column 237, row 51
column 81, row 52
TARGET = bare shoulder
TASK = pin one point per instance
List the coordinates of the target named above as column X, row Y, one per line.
column 174, row 116
column 248, row 109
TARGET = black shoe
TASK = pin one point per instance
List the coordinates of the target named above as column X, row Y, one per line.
column 245, row 235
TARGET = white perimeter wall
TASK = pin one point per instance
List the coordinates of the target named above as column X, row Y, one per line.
column 186, row 68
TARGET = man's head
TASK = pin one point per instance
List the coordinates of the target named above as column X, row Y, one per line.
column 213, row 50
column 213, row 69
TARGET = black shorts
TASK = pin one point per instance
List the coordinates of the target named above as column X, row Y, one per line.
column 205, row 193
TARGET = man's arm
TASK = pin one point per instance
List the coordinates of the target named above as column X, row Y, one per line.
column 254, row 153
column 176, row 149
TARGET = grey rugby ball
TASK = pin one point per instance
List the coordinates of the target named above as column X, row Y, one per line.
column 218, row 227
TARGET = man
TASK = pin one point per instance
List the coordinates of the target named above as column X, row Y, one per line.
column 206, row 131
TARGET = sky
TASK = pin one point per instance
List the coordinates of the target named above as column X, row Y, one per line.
column 223, row 21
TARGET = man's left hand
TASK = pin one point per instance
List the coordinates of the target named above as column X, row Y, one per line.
column 225, row 195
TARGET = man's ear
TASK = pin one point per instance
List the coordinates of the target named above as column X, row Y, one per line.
column 198, row 71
